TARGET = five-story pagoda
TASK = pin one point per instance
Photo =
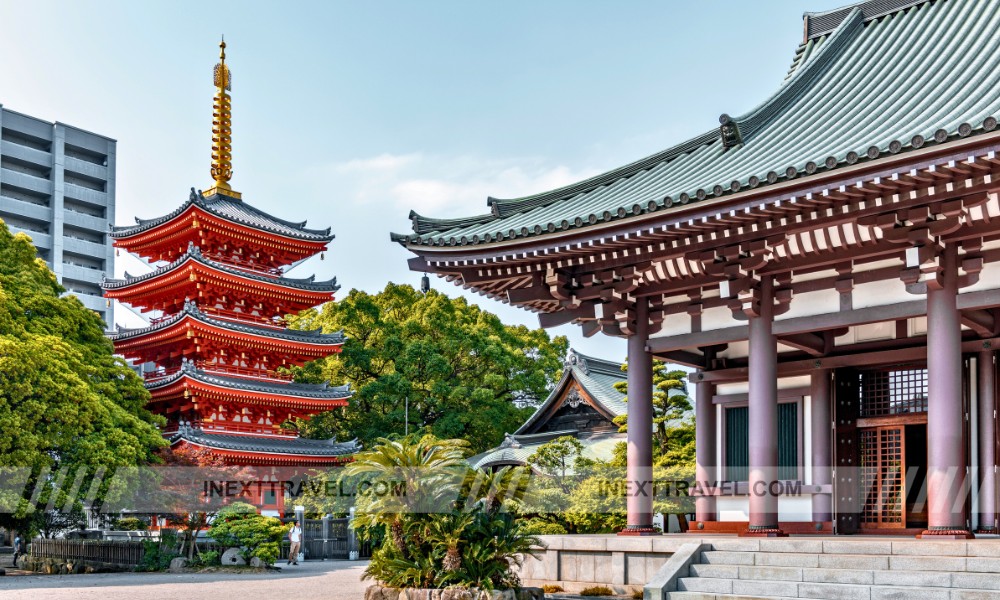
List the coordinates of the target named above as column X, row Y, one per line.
column 217, row 337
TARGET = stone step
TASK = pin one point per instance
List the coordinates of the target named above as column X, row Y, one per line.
column 862, row 562
column 696, row 588
column 924, row 579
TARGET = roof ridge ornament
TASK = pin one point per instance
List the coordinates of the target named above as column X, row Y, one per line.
column 730, row 132
column 222, row 129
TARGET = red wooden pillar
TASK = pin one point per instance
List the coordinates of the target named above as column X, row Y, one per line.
column 639, row 456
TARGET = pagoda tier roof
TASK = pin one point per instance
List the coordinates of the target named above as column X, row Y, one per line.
column 194, row 255
column 191, row 313
column 230, row 209
column 222, row 383
column 871, row 80
column 266, row 445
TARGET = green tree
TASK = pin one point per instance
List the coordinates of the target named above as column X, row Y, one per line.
column 66, row 402
column 239, row 526
column 560, row 459
column 462, row 372
column 673, row 423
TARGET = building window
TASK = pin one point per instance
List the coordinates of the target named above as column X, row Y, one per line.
column 894, row 391
column 737, row 455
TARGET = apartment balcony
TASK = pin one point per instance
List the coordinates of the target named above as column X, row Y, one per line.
column 85, row 274
column 28, row 182
column 85, row 168
column 37, row 157
column 83, row 221
column 36, row 212
column 87, row 248
column 42, row 241
column 85, row 194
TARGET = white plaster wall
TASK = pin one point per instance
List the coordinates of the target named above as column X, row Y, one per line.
column 718, row 317
column 674, row 325
column 736, row 350
column 742, row 387
column 989, row 279
column 790, row 508
column 880, row 293
column 812, row 303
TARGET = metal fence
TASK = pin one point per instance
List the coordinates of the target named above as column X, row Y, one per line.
column 112, row 552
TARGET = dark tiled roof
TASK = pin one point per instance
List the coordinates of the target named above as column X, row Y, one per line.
column 233, row 210
column 269, row 445
column 315, row 336
column 595, row 375
column 887, row 77
column 194, row 253
column 317, row 391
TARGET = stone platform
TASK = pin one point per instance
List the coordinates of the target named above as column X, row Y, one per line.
column 719, row 567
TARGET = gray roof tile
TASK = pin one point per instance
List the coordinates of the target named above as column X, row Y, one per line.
column 270, row 445
column 878, row 76
column 234, row 210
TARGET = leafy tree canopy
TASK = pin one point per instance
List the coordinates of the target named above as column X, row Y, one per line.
column 65, row 400
column 465, row 373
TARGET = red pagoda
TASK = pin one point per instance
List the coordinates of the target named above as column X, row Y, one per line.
column 218, row 340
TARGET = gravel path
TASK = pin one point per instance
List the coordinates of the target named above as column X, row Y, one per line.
column 326, row 580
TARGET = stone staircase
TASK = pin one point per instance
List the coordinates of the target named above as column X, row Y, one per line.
column 843, row 569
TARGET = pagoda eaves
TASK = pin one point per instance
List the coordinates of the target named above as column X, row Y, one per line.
column 219, row 224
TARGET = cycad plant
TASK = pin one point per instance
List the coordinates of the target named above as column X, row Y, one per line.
column 449, row 528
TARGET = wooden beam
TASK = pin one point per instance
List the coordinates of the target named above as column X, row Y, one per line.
column 530, row 294
column 683, row 357
column 811, row 343
column 983, row 322
column 562, row 317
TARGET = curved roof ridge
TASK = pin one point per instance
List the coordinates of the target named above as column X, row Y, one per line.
column 319, row 391
column 192, row 309
column 229, row 209
column 753, row 121
column 422, row 224
column 749, row 123
column 300, row 225
column 194, row 252
column 823, row 22
column 267, row 444
column 608, row 367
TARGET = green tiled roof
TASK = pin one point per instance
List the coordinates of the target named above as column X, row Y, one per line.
column 872, row 79
column 595, row 375
column 517, row 449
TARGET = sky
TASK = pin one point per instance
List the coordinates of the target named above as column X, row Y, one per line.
column 350, row 114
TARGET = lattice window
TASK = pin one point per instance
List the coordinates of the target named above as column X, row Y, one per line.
column 896, row 391
column 882, row 471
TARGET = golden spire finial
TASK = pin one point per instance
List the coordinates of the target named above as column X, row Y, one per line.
column 222, row 130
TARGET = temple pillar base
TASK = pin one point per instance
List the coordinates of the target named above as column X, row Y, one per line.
column 763, row 532
column 987, row 531
column 638, row 530
column 943, row 533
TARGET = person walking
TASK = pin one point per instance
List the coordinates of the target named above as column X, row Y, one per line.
column 295, row 537
column 18, row 548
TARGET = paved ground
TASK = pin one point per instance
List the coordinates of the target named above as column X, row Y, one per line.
column 326, row 580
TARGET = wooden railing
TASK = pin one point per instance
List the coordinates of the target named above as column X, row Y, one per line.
column 117, row 553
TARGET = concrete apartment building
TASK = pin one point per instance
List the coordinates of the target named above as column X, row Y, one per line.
column 57, row 184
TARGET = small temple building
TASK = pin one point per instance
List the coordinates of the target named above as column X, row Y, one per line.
column 828, row 262
column 582, row 405
column 217, row 340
